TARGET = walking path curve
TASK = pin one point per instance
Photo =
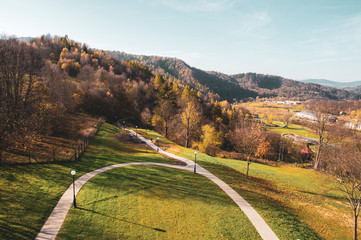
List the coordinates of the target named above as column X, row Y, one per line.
column 57, row 217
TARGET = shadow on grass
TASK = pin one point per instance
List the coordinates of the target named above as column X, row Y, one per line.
column 263, row 196
column 31, row 191
column 160, row 182
column 327, row 195
column 120, row 219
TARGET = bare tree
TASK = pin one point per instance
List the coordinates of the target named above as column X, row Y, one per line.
column 345, row 163
column 249, row 138
column 320, row 125
column 286, row 118
column 13, row 82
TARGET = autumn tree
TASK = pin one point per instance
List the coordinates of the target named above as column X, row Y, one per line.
column 163, row 114
column 249, row 138
column 158, row 81
column 19, row 65
column 210, row 139
column 191, row 116
column 344, row 161
column 217, row 113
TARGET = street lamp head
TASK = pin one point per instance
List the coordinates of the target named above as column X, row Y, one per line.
column 73, row 172
column 157, row 138
column 195, row 153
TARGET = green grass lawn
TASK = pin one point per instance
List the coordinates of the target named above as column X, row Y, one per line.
column 295, row 202
column 151, row 202
column 29, row 192
column 294, row 129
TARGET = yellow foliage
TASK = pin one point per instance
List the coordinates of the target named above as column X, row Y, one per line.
column 109, row 94
column 157, row 121
column 263, row 148
column 210, row 137
column 269, row 119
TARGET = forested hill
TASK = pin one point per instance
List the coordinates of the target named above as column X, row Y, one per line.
column 276, row 86
column 177, row 70
column 236, row 87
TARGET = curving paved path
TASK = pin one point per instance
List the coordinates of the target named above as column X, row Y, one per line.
column 57, row 217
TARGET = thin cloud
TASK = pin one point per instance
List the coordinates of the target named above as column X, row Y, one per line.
column 255, row 24
column 198, row 5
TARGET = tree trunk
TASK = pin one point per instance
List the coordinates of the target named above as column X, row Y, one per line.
column 187, row 134
column 317, row 160
column 355, row 233
column 247, row 167
column 166, row 130
column 1, row 159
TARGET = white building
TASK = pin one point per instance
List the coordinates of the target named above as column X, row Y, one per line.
column 306, row 114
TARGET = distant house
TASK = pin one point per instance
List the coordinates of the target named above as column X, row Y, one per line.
column 287, row 102
column 307, row 151
column 312, row 116
column 355, row 126
column 332, row 119
column 307, row 114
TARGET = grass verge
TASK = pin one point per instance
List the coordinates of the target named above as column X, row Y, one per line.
column 29, row 192
column 297, row 203
column 150, row 202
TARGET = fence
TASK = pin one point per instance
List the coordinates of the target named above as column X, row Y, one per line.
column 57, row 149
column 84, row 142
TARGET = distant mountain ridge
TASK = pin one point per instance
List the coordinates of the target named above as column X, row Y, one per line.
column 177, row 70
column 238, row 86
column 329, row 83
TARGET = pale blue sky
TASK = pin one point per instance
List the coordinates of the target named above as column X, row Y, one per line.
column 297, row 39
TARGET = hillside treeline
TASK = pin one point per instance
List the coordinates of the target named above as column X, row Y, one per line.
column 211, row 86
column 238, row 87
column 43, row 80
column 46, row 79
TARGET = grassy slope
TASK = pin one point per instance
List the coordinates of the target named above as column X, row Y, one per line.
column 29, row 192
column 296, row 202
column 148, row 202
column 182, row 204
column 294, row 129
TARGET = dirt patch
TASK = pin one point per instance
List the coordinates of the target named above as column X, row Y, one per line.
column 127, row 139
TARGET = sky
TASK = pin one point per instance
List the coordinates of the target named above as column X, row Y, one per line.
column 296, row 39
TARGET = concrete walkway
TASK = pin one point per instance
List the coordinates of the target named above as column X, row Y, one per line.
column 262, row 227
column 57, row 217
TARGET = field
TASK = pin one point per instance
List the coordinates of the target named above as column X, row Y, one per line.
column 292, row 129
column 29, row 192
column 156, row 202
column 148, row 202
column 295, row 202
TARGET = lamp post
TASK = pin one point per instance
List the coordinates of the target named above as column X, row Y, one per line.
column 195, row 162
column 74, row 200
column 124, row 124
column 136, row 131
column 158, row 145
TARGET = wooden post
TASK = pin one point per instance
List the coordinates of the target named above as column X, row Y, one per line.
column 54, row 154
column 29, row 156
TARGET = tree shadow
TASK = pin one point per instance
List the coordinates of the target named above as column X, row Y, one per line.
column 121, row 219
column 262, row 195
